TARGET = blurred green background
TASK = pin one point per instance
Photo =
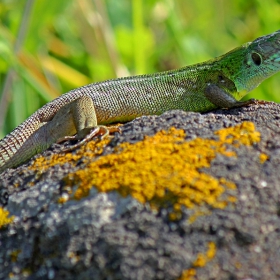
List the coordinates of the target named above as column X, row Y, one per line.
column 49, row 47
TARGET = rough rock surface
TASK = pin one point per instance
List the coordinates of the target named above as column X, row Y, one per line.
column 107, row 236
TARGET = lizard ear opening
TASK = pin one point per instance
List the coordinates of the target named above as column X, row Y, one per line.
column 257, row 59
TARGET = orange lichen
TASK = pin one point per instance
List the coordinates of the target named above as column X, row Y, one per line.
column 188, row 274
column 163, row 169
column 197, row 214
column 243, row 134
column 62, row 200
column 238, row 265
column 14, row 255
column 84, row 153
column 201, row 260
column 211, row 252
column 4, row 219
column 73, row 257
column 263, row 158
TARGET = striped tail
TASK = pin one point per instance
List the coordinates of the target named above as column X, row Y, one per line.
column 21, row 144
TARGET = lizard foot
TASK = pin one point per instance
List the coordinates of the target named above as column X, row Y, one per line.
column 99, row 130
column 249, row 102
column 258, row 102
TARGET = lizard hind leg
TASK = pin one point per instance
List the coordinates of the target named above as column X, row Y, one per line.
column 84, row 118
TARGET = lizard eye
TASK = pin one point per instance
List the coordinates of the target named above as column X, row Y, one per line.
column 257, row 59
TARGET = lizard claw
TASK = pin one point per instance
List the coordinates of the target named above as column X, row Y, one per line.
column 103, row 130
column 253, row 101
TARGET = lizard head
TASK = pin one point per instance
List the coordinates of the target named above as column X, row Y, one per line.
column 261, row 60
column 250, row 64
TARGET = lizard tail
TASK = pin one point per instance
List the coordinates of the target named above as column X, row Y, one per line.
column 20, row 144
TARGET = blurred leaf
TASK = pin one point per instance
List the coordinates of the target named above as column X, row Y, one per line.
column 71, row 43
column 64, row 72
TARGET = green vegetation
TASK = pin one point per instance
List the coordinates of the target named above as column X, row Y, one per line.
column 65, row 44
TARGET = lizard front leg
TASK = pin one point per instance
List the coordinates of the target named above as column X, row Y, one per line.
column 222, row 99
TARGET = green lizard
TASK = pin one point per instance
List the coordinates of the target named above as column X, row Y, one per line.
column 217, row 83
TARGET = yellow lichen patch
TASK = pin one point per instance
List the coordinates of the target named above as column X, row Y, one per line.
column 62, row 200
column 201, row 260
column 238, row 265
column 263, row 158
column 4, row 219
column 73, row 257
column 14, row 255
column 211, row 252
column 164, row 169
column 188, row 274
column 88, row 150
column 243, row 134
column 196, row 214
